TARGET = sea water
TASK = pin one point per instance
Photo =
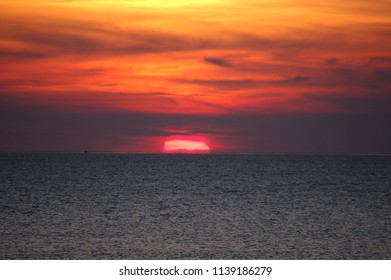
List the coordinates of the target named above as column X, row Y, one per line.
column 215, row 206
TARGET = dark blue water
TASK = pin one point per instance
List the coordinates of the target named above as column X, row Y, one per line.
column 114, row 206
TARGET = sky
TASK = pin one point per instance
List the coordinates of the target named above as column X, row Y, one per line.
column 282, row 76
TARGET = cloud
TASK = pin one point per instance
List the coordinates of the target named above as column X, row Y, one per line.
column 217, row 61
column 30, row 128
column 293, row 80
column 91, row 101
column 56, row 37
column 224, row 84
column 384, row 75
column 354, row 103
column 20, row 54
column 240, row 84
column 380, row 60
column 331, row 61
column 357, row 76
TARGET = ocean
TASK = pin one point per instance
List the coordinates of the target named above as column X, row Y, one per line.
column 205, row 206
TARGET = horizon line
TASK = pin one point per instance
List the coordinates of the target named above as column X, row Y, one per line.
column 86, row 152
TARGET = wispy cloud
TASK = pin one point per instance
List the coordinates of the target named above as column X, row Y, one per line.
column 217, row 61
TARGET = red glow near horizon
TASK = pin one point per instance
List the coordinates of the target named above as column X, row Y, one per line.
column 186, row 145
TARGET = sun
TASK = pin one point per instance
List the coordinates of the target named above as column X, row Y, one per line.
column 186, row 144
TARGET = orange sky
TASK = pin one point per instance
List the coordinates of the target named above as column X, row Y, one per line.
column 211, row 62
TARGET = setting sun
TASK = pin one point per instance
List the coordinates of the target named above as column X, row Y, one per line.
column 186, row 145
